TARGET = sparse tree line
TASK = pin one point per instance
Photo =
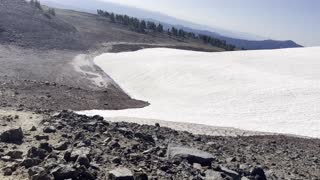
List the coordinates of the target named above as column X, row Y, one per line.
column 37, row 4
column 143, row 26
column 135, row 24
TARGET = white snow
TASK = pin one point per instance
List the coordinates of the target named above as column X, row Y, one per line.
column 270, row 90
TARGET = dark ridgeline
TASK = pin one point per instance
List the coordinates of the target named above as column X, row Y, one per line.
column 142, row 26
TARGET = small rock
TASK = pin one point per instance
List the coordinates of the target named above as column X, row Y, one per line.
column 116, row 160
column 35, row 170
column 49, row 129
column 15, row 154
column 97, row 117
column 229, row 172
column 64, row 172
column 113, row 144
column 33, row 128
column 12, row 136
column 34, row 152
column 46, row 146
column 41, row 137
column 83, row 151
column 213, row 175
column 140, row 176
column 61, row 146
column 232, row 159
column 7, row 171
column 191, row 155
column 42, row 176
column 197, row 166
column 30, row 162
column 121, row 174
column 83, row 160
column 6, row 158
column 258, row 173
column 245, row 178
column 145, row 137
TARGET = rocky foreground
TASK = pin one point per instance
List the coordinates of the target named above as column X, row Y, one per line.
column 70, row 146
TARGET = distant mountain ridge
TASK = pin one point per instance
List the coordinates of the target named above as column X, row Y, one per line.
column 241, row 40
column 250, row 44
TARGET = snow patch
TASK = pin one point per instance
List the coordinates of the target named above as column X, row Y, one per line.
column 270, row 90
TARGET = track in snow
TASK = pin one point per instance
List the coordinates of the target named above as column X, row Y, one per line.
column 272, row 91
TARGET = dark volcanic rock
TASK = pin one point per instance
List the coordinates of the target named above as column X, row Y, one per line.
column 41, row 137
column 34, row 152
column 140, row 176
column 190, row 154
column 12, row 136
column 15, row 154
column 83, row 160
column 64, row 172
column 30, row 162
column 9, row 169
column 46, row 146
column 33, row 128
column 61, row 146
column 49, row 129
column 258, row 173
column 120, row 174
column 89, row 157
column 35, row 170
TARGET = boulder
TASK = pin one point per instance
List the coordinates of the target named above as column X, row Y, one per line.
column 189, row 154
column 121, row 174
column 12, row 136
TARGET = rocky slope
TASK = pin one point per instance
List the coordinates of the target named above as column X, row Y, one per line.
column 70, row 146
column 27, row 26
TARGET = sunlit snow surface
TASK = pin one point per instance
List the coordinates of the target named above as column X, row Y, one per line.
column 271, row 91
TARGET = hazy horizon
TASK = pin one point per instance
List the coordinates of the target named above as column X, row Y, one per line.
column 281, row 20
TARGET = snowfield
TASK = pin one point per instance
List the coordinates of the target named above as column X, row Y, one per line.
column 270, row 90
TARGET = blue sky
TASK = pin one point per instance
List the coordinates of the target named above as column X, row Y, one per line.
column 298, row 20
